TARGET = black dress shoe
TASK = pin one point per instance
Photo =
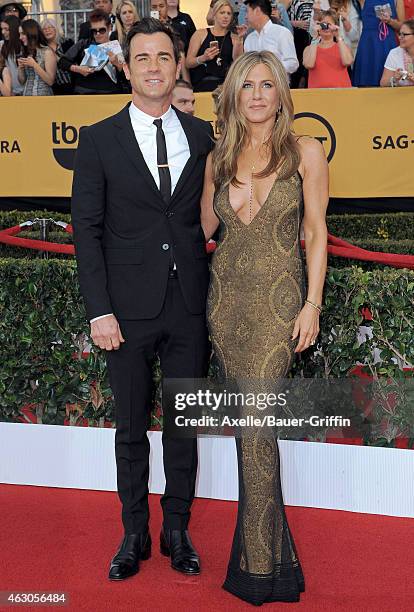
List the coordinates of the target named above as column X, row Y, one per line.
column 133, row 548
column 177, row 545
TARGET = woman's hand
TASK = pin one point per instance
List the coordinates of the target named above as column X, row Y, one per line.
column 385, row 17
column 242, row 30
column 83, row 70
column 400, row 75
column 26, row 62
column 306, row 327
column 114, row 60
column 210, row 53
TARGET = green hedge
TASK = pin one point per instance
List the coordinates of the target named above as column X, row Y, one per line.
column 389, row 226
column 43, row 333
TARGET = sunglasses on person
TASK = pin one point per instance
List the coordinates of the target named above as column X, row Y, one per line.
column 99, row 30
column 404, row 34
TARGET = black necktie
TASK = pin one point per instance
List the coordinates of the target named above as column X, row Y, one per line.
column 162, row 161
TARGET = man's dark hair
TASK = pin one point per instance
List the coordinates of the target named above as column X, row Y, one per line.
column 149, row 25
column 183, row 83
column 99, row 15
column 264, row 6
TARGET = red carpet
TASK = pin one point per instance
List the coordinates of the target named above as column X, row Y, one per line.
column 62, row 540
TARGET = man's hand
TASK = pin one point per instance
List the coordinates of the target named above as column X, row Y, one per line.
column 106, row 333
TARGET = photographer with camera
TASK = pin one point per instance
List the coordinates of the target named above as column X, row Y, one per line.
column 327, row 57
column 399, row 65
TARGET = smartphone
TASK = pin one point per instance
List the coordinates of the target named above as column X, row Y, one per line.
column 214, row 44
column 155, row 14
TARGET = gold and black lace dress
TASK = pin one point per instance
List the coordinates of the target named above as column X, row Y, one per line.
column 257, row 290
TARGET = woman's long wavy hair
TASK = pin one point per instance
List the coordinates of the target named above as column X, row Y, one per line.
column 119, row 25
column 35, row 37
column 234, row 128
column 12, row 46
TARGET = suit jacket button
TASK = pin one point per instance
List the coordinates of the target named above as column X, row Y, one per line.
column 165, row 246
column 169, row 214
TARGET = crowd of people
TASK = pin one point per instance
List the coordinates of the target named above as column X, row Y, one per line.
column 321, row 44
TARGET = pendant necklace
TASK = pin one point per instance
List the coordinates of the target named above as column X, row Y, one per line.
column 251, row 194
column 219, row 61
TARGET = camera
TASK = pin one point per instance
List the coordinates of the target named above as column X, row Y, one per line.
column 324, row 26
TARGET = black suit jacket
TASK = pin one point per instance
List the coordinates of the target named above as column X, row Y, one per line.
column 123, row 230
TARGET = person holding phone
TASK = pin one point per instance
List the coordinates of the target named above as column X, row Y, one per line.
column 159, row 10
column 213, row 50
column 399, row 65
column 37, row 66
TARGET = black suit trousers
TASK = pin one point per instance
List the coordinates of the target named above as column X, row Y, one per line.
column 181, row 341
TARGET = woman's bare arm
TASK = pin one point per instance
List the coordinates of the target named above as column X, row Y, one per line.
column 316, row 197
column 209, row 220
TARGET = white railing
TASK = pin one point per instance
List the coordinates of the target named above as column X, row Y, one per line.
column 67, row 21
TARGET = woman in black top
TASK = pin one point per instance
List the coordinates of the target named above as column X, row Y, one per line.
column 88, row 80
column 212, row 50
column 181, row 22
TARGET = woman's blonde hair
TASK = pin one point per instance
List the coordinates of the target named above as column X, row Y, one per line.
column 219, row 5
column 119, row 26
column 284, row 150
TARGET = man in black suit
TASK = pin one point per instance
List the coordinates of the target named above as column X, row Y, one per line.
column 143, row 273
column 85, row 27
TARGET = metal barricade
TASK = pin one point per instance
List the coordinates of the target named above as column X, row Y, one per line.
column 69, row 20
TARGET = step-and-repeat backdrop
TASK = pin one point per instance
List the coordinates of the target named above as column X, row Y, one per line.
column 368, row 136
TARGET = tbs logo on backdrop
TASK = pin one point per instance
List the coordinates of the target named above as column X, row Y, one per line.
column 64, row 134
column 319, row 128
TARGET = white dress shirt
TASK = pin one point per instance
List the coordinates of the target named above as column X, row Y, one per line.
column 145, row 131
column 178, row 150
column 275, row 38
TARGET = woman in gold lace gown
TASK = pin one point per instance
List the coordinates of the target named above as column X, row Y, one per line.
column 261, row 182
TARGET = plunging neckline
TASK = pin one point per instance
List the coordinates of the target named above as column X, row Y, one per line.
column 260, row 209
